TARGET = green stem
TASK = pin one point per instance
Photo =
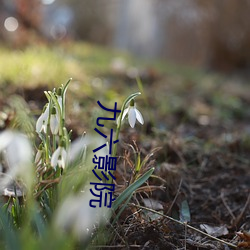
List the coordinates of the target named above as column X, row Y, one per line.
column 65, row 87
column 47, row 140
column 54, row 142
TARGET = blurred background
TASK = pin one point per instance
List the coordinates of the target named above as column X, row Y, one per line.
column 193, row 60
column 211, row 34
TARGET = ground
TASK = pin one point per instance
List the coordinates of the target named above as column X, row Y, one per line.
column 196, row 125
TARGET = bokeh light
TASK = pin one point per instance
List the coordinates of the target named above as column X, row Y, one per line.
column 48, row 2
column 58, row 31
column 11, row 24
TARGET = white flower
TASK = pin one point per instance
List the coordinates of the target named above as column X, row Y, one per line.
column 77, row 217
column 42, row 122
column 54, row 121
column 59, row 157
column 17, row 152
column 133, row 114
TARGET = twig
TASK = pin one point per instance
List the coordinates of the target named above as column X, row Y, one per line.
column 239, row 217
column 57, row 180
column 185, row 242
column 227, row 207
column 117, row 246
column 184, row 224
column 48, row 185
column 175, row 198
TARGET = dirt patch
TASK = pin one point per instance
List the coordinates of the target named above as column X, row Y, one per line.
column 203, row 162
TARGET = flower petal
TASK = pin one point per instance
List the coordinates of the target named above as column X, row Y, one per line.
column 44, row 127
column 18, row 156
column 61, row 163
column 5, row 138
column 64, row 154
column 124, row 113
column 139, row 116
column 63, row 158
column 75, row 215
column 42, row 121
column 46, row 113
column 54, row 124
column 38, row 156
column 132, row 117
column 55, row 156
column 39, row 123
column 19, row 151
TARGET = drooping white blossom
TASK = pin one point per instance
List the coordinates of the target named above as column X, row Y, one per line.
column 54, row 121
column 75, row 216
column 42, row 122
column 59, row 157
column 17, row 151
column 133, row 114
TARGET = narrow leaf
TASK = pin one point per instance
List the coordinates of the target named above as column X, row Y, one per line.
column 128, row 191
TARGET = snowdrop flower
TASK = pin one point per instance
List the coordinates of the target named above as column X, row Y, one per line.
column 133, row 114
column 42, row 122
column 54, row 121
column 17, row 152
column 59, row 157
column 77, row 217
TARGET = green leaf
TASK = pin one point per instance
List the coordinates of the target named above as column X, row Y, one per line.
column 65, row 87
column 122, row 209
column 129, row 190
column 138, row 163
column 11, row 237
column 39, row 222
column 185, row 212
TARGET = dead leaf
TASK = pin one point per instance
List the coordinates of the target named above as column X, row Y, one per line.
column 152, row 204
column 215, row 231
column 245, row 236
column 155, row 205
